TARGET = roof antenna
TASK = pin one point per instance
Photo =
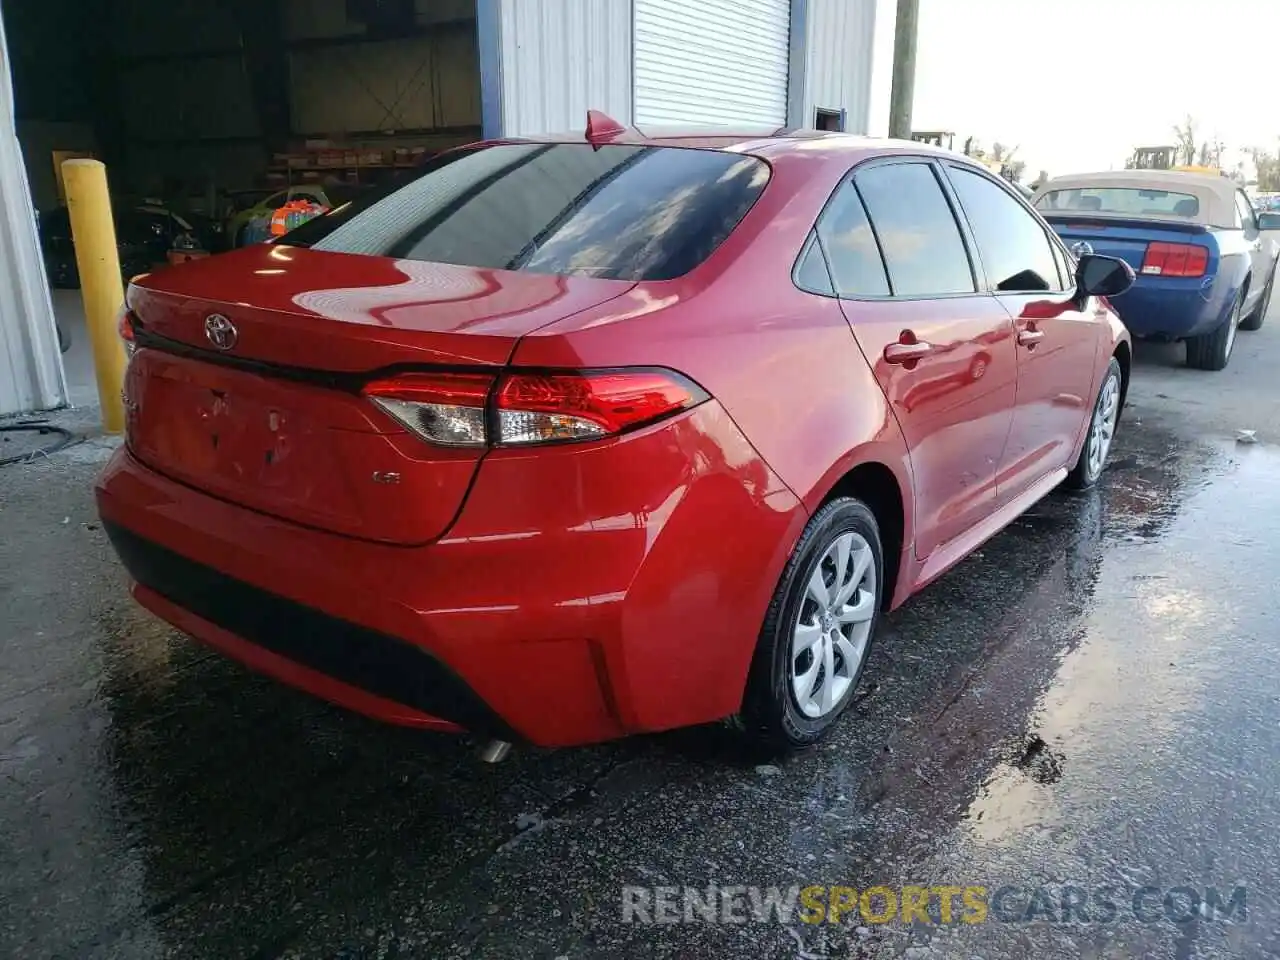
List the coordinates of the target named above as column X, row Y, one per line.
column 601, row 128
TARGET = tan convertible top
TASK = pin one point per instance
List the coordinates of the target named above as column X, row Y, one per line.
column 1216, row 194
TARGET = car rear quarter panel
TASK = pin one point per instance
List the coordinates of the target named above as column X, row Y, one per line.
column 783, row 362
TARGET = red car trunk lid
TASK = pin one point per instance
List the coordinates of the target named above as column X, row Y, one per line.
column 271, row 416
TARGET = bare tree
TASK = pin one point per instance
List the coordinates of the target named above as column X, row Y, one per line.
column 1267, row 163
column 1187, row 141
column 1210, row 154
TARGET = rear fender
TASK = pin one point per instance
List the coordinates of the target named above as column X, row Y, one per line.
column 889, row 449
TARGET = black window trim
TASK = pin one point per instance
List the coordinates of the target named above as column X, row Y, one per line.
column 976, row 270
column 1050, row 234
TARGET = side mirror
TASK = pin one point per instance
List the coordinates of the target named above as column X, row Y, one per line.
column 1269, row 221
column 1098, row 276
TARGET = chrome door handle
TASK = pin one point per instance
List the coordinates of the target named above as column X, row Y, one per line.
column 906, row 352
column 1029, row 338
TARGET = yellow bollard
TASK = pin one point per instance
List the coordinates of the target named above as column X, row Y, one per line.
column 98, row 261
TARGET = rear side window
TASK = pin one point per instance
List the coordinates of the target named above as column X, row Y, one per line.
column 1014, row 248
column 923, row 249
column 857, row 269
column 811, row 272
column 617, row 212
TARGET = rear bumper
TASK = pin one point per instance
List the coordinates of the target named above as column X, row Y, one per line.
column 1173, row 308
column 349, row 663
column 584, row 593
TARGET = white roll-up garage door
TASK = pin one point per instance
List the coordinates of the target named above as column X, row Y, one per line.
column 712, row 61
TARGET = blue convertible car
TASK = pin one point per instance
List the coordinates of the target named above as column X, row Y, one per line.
column 1205, row 261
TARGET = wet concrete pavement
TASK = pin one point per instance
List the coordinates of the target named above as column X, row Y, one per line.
column 1090, row 702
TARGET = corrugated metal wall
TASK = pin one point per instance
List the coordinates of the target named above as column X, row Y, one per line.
column 31, row 375
column 419, row 83
column 839, row 69
column 560, row 58
column 187, row 106
column 416, row 84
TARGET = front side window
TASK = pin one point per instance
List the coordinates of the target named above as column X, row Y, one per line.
column 1066, row 267
column 923, row 250
column 618, row 212
column 1013, row 246
column 1244, row 211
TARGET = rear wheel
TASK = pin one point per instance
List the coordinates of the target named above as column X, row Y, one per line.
column 1255, row 320
column 1212, row 351
column 818, row 630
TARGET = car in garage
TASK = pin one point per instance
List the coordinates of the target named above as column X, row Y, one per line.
column 1205, row 261
column 572, row 438
column 145, row 234
column 251, row 221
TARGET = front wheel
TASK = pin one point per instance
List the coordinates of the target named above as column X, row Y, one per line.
column 818, row 629
column 1102, row 430
column 1212, row 351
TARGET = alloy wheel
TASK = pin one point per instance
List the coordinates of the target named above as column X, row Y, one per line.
column 833, row 626
column 1233, row 326
column 1103, row 428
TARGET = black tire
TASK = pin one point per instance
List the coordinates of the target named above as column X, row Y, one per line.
column 770, row 712
column 1255, row 320
column 1087, row 468
column 1212, row 350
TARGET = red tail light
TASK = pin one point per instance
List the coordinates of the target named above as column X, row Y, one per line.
column 1175, row 260
column 465, row 409
column 445, row 408
column 544, row 408
column 124, row 327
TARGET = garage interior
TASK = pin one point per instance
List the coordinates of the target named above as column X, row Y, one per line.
column 204, row 110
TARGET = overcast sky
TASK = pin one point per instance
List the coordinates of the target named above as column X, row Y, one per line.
column 1079, row 83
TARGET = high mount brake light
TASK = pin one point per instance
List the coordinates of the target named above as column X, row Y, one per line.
column 529, row 408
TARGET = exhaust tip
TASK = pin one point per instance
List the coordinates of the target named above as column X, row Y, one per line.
column 495, row 751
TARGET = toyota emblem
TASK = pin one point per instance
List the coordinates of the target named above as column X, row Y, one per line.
column 220, row 331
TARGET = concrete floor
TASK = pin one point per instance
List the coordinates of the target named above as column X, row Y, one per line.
column 77, row 361
column 1090, row 701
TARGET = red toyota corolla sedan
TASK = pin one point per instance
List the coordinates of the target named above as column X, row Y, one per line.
column 569, row 439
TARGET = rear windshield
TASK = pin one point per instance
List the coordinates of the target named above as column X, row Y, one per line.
column 617, row 212
column 1121, row 201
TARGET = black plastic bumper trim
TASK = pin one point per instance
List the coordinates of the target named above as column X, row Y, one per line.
column 375, row 662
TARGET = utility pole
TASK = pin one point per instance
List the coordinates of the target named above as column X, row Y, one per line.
column 904, row 69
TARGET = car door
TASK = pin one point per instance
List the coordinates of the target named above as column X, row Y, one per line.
column 1058, row 337
column 941, row 350
column 1259, row 252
